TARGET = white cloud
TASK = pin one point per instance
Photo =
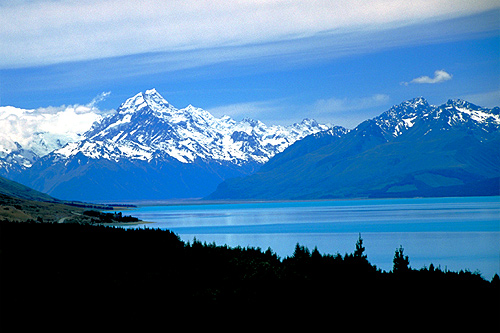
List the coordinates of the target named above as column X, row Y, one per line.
column 439, row 76
column 99, row 98
column 64, row 123
column 71, row 120
column 45, row 32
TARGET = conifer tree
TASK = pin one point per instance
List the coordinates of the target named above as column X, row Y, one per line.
column 358, row 253
column 400, row 261
column 301, row 252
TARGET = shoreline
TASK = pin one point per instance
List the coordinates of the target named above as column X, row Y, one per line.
column 122, row 224
column 201, row 202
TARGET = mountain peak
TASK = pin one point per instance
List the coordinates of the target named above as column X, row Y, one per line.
column 309, row 122
column 415, row 103
column 149, row 99
column 252, row 122
column 406, row 108
column 460, row 103
column 402, row 117
column 152, row 91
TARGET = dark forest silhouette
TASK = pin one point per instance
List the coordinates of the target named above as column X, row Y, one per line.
column 116, row 268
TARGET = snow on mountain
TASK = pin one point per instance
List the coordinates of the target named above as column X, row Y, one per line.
column 146, row 126
column 459, row 112
column 149, row 149
column 414, row 149
column 400, row 118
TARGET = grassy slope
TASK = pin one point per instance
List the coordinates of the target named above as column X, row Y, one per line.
column 21, row 210
column 16, row 190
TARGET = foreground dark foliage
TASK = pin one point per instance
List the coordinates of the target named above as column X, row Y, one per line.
column 67, row 266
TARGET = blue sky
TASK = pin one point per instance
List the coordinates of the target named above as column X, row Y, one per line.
column 276, row 61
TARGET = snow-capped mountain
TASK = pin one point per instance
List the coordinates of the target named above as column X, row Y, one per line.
column 148, row 149
column 399, row 118
column 467, row 116
column 147, row 127
column 412, row 149
column 454, row 113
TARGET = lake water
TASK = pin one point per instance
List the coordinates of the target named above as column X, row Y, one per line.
column 454, row 233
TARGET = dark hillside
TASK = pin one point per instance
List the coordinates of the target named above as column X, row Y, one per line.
column 16, row 190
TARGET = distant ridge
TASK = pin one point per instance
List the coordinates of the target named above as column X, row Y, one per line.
column 413, row 149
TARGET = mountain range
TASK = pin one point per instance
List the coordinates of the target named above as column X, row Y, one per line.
column 413, row 149
column 150, row 150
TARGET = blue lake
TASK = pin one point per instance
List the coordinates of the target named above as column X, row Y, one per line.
column 454, row 233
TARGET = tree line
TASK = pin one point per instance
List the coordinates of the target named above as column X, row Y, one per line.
column 125, row 268
column 102, row 217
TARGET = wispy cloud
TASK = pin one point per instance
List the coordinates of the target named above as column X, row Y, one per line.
column 488, row 99
column 335, row 105
column 439, row 76
column 99, row 98
column 349, row 112
column 266, row 111
column 41, row 32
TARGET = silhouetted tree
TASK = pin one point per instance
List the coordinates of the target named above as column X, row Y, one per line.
column 301, row 252
column 495, row 281
column 315, row 254
column 358, row 253
column 400, row 261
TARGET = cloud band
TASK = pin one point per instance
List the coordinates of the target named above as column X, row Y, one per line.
column 42, row 32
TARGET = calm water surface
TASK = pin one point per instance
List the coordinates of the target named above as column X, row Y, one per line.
column 454, row 233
